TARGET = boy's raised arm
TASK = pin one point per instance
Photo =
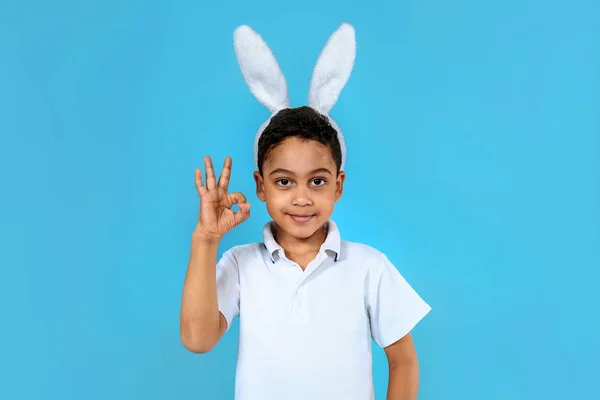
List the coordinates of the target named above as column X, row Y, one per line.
column 201, row 322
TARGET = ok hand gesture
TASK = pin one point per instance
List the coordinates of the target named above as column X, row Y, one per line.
column 216, row 216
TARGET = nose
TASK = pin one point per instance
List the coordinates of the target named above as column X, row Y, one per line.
column 302, row 196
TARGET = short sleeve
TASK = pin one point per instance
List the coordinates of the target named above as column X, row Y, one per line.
column 394, row 306
column 228, row 287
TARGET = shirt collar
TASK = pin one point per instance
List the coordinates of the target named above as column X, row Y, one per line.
column 333, row 241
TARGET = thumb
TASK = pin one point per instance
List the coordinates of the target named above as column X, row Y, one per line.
column 243, row 213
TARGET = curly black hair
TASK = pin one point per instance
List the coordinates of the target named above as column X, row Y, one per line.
column 303, row 122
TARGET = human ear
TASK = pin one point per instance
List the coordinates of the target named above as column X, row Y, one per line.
column 260, row 186
column 339, row 185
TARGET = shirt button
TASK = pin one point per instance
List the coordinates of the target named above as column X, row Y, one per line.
column 299, row 288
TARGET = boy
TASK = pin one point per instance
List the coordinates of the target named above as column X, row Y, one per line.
column 308, row 301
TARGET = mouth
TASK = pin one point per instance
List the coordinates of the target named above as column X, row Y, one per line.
column 302, row 218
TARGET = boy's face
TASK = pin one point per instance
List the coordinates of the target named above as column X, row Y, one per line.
column 300, row 186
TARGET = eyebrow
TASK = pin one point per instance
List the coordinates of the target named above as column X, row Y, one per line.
column 288, row 172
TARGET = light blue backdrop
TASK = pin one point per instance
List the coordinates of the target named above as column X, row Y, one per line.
column 472, row 131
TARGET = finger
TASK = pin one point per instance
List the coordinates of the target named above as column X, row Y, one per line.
column 225, row 174
column 243, row 213
column 237, row 198
column 211, row 182
column 199, row 184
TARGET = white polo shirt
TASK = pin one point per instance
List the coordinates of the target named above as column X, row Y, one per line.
column 307, row 334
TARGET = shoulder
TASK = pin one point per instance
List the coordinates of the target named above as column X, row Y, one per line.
column 368, row 258
column 360, row 252
column 244, row 253
column 374, row 260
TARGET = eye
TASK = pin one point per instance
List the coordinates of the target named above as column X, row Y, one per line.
column 319, row 182
column 283, row 182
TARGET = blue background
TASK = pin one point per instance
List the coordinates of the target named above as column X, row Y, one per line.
column 473, row 162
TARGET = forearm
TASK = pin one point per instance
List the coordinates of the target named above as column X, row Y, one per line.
column 199, row 319
column 403, row 381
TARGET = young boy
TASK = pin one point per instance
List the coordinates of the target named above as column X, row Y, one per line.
column 309, row 302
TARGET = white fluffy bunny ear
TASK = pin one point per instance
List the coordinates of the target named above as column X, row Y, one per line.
column 333, row 69
column 260, row 69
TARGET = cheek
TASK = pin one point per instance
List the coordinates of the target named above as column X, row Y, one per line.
column 274, row 197
column 331, row 192
column 326, row 198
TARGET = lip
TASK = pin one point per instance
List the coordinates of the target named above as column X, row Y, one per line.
column 301, row 218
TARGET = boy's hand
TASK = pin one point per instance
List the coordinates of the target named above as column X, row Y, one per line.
column 216, row 216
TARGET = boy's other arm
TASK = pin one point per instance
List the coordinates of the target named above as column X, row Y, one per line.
column 404, row 370
column 201, row 323
column 395, row 309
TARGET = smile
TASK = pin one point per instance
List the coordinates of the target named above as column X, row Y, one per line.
column 301, row 218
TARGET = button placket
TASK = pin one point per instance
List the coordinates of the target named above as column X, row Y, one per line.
column 299, row 310
column 300, row 305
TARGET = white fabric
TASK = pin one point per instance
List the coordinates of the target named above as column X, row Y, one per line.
column 333, row 69
column 267, row 82
column 307, row 334
column 260, row 69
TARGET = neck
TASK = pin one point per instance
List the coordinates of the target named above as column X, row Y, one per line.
column 300, row 246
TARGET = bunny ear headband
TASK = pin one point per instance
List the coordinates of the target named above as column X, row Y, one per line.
column 267, row 83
